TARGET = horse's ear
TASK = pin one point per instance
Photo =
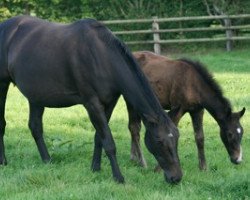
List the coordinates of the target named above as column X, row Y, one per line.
column 242, row 112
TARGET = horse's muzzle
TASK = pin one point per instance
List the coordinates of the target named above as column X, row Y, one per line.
column 173, row 179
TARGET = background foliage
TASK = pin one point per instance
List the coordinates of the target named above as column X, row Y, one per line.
column 67, row 11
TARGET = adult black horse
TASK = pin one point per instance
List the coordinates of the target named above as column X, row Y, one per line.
column 57, row 65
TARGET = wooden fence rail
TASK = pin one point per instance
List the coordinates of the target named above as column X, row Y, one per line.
column 156, row 31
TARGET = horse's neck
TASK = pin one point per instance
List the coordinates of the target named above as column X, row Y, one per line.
column 142, row 104
column 140, row 96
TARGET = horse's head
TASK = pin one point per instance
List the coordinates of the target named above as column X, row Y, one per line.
column 161, row 139
column 231, row 134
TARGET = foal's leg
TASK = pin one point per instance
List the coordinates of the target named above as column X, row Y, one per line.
column 197, row 120
column 97, row 155
column 36, row 127
column 98, row 117
column 134, row 126
column 3, row 92
column 176, row 114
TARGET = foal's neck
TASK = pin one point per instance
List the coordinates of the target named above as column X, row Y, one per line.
column 219, row 108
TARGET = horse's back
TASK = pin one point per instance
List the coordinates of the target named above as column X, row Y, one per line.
column 56, row 64
column 175, row 82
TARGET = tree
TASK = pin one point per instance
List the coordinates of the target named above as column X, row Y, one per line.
column 55, row 10
column 227, row 7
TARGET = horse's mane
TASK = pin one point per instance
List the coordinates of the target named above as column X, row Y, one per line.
column 118, row 46
column 209, row 79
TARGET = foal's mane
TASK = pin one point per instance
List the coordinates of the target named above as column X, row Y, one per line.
column 209, row 80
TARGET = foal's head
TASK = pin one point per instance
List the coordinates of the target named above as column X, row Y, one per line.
column 231, row 133
column 161, row 139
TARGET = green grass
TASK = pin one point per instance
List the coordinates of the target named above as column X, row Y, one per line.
column 69, row 136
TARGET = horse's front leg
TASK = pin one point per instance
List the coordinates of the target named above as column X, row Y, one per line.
column 134, row 126
column 197, row 120
column 97, row 155
column 99, row 116
column 36, row 127
column 3, row 92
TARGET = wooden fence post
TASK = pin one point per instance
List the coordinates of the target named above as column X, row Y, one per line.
column 229, row 34
column 156, row 36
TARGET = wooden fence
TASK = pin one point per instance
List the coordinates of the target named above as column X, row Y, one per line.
column 155, row 30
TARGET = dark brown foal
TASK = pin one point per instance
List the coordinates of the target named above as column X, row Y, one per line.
column 185, row 86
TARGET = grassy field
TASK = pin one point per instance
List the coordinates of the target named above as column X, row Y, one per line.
column 69, row 136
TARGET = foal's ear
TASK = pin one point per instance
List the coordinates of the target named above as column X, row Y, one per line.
column 174, row 111
column 242, row 112
column 239, row 114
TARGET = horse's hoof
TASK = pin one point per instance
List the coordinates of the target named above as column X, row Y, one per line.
column 119, row 179
column 47, row 161
column 157, row 169
column 96, row 167
column 3, row 163
column 203, row 168
column 142, row 163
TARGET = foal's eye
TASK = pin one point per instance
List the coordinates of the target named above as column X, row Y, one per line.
column 170, row 135
column 230, row 135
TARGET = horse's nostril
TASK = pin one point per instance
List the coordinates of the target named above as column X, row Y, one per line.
column 175, row 179
column 236, row 161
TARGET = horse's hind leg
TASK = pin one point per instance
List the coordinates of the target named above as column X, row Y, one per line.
column 98, row 117
column 134, row 126
column 3, row 93
column 36, row 127
column 197, row 120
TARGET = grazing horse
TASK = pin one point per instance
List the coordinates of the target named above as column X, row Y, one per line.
column 60, row 65
column 186, row 86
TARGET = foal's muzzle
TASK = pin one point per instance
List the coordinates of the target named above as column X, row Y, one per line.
column 237, row 158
